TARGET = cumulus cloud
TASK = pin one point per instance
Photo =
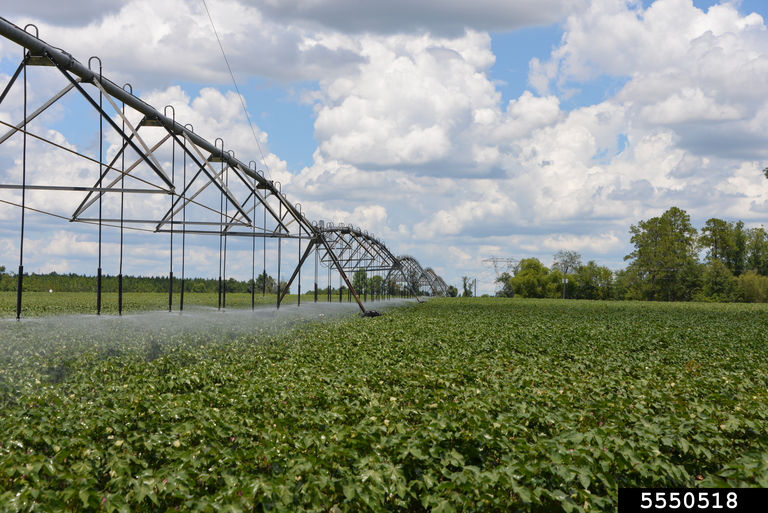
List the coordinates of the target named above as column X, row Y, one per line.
column 427, row 105
column 160, row 43
column 601, row 243
column 409, row 104
column 530, row 175
column 415, row 144
column 697, row 72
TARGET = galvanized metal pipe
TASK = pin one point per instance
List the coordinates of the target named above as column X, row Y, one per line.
column 67, row 62
column 365, row 243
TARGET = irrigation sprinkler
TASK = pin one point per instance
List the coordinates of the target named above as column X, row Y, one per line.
column 218, row 195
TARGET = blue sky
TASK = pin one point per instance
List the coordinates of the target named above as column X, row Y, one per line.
column 454, row 131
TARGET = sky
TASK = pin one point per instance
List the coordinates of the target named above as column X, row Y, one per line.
column 454, row 131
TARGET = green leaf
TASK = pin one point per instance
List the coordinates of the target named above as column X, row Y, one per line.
column 443, row 506
column 84, row 497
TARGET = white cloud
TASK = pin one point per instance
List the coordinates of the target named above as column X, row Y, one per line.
column 700, row 73
column 158, row 43
column 460, row 256
column 416, row 146
column 409, row 104
column 689, row 105
column 600, row 243
column 488, row 203
column 577, row 178
column 620, row 37
column 744, row 193
column 67, row 244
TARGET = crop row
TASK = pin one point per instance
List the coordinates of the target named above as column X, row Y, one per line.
column 57, row 303
column 453, row 405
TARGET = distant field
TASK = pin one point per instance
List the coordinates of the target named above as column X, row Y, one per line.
column 452, row 405
column 44, row 303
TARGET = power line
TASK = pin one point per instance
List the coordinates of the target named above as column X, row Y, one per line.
column 239, row 95
column 505, row 263
column 44, row 212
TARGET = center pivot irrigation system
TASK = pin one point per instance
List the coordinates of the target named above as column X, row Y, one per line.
column 159, row 176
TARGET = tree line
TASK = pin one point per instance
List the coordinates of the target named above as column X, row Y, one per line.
column 71, row 282
column 373, row 285
column 671, row 261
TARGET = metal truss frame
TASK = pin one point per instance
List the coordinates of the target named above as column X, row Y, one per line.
column 419, row 278
column 243, row 191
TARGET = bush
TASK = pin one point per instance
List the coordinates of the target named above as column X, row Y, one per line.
column 753, row 287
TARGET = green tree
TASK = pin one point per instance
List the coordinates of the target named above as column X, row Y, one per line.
column 375, row 284
column 195, row 286
column 757, row 250
column 533, row 279
column 392, row 287
column 412, row 282
column 360, row 280
column 233, row 285
column 270, row 283
column 592, row 281
column 627, row 284
column 726, row 242
column 737, row 258
column 716, row 239
column 566, row 261
column 718, row 283
column 507, row 289
column 665, row 256
column 452, row 291
column 466, row 284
